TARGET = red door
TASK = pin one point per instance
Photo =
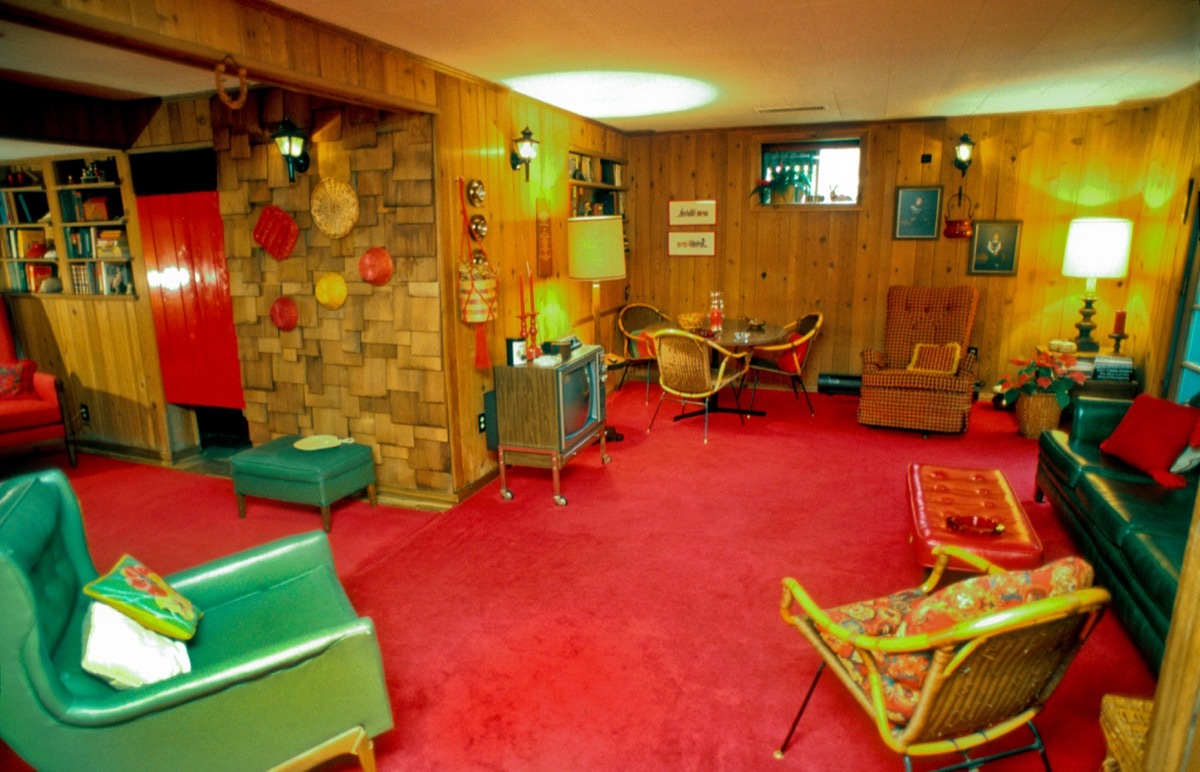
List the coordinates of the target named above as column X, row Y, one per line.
column 184, row 243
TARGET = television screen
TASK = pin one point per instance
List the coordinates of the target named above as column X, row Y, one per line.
column 577, row 387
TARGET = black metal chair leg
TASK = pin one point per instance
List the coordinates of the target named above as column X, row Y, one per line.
column 811, row 687
column 804, row 389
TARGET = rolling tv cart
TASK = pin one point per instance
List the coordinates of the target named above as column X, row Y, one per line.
column 546, row 415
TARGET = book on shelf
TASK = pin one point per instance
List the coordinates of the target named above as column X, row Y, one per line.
column 1113, row 368
column 83, row 281
column 30, row 238
column 35, row 274
column 16, row 277
column 111, row 243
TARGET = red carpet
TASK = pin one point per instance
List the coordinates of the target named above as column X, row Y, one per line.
column 638, row 627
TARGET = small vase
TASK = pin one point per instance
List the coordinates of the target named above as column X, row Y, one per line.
column 1037, row 413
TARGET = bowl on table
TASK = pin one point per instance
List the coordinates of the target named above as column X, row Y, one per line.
column 693, row 322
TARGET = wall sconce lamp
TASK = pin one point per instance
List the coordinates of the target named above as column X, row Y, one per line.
column 526, row 150
column 962, row 153
column 1097, row 248
column 291, row 140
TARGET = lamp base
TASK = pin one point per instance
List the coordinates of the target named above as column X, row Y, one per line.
column 1084, row 342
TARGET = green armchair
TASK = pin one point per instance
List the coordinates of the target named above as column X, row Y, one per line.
column 284, row 672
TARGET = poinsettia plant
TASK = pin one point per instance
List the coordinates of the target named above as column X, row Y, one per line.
column 1046, row 373
column 782, row 178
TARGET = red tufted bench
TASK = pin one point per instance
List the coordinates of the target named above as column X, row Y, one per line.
column 937, row 493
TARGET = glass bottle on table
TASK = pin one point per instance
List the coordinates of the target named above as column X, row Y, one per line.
column 716, row 312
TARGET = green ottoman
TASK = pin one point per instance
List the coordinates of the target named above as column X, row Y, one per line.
column 277, row 470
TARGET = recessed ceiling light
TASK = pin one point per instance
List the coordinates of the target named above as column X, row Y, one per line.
column 597, row 94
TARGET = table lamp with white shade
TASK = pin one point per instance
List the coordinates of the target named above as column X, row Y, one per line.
column 596, row 253
column 1097, row 248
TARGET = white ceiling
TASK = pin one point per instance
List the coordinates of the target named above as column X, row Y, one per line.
column 859, row 60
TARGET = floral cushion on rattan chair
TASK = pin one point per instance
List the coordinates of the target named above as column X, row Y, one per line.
column 911, row 612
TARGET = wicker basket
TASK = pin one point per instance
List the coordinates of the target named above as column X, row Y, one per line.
column 693, row 321
column 1037, row 413
column 1125, row 721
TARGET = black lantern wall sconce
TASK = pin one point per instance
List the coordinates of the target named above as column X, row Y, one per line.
column 525, row 150
column 962, row 153
column 291, row 141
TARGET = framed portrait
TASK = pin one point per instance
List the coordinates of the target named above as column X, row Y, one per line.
column 994, row 247
column 692, row 213
column 917, row 212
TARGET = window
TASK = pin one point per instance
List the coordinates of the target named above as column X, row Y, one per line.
column 827, row 168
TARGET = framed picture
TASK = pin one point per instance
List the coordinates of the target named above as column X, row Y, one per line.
column 692, row 213
column 692, row 243
column 514, row 351
column 994, row 247
column 917, row 211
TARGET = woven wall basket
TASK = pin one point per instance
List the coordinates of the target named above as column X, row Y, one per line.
column 1037, row 413
column 334, row 207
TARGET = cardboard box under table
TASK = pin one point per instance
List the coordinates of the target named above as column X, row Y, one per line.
column 279, row 470
column 949, row 505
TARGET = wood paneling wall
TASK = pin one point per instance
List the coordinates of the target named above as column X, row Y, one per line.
column 475, row 128
column 1040, row 168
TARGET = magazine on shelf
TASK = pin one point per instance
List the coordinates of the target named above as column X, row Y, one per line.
column 115, row 278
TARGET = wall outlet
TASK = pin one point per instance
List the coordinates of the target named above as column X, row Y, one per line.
column 84, row 414
column 482, row 423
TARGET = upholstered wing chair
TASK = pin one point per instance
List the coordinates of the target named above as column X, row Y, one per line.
column 283, row 673
column 924, row 378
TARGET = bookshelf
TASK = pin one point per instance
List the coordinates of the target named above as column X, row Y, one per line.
column 65, row 218
column 598, row 184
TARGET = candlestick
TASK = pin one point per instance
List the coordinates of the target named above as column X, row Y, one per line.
column 1117, row 338
column 1119, row 323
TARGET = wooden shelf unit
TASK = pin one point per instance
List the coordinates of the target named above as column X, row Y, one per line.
column 597, row 184
column 69, row 218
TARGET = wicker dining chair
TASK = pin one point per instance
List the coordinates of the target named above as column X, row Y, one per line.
column 788, row 358
column 947, row 671
column 637, row 346
column 686, row 371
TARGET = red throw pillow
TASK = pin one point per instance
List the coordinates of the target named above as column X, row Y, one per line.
column 16, row 378
column 1151, row 436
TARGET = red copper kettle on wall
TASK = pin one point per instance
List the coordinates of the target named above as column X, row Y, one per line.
column 961, row 228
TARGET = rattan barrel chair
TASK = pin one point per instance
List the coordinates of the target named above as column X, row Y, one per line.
column 694, row 369
column 637, row 346
column 947, row 671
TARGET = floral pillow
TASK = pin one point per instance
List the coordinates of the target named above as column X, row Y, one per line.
column 144, row 596
column 981, row 595
column 16, row 378
column 934, row 358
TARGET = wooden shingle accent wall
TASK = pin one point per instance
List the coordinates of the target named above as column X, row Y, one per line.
column 373, row 369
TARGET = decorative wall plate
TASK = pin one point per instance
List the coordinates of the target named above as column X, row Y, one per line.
column 334, row 207
column 276, row 232
column 331, row 291
column 476, row 192
column 478, row 227
column 284, row 314
column 375, row 266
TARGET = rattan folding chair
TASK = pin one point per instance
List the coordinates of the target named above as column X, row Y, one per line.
column 970, row 676
column 686, row 371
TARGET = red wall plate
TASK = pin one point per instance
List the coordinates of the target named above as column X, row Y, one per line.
column 276, row 232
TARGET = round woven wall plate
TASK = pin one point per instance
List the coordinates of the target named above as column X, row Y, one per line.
column 334, row 207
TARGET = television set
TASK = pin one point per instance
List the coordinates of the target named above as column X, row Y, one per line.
column 547, row 414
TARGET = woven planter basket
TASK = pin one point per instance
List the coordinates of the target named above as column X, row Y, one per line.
column 1037, row 413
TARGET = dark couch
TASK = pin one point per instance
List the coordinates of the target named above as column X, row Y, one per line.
column 1129, row 527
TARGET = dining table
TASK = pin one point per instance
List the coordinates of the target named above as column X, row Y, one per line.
column 735, row 335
